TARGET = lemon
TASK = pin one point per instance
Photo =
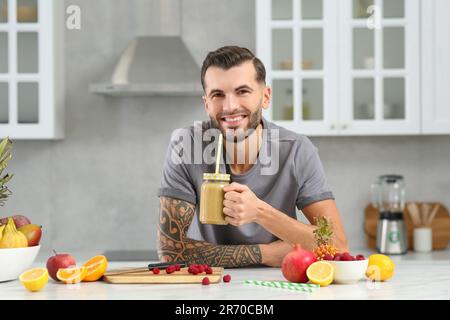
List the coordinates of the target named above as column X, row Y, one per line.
column 34, row 279
column 321, row 273
column 380, row 267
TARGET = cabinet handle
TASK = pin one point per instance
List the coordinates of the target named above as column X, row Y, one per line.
column 332, row 127
column 344, row 127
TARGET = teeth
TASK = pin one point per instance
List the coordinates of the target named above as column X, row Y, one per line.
column 234, row 119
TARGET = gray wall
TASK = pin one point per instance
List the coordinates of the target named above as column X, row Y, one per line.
column 96, row 189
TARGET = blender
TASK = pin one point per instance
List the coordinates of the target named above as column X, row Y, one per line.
column 388, row 196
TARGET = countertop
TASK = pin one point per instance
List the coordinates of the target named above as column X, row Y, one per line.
column 417, row 276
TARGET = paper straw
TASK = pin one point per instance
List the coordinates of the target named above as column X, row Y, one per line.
column 302, row 287
column 219, row 151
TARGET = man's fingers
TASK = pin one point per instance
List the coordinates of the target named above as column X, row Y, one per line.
column 228, row 204
column 232, row 195
column 229, row 212
column 232, row 221
column 235, row 187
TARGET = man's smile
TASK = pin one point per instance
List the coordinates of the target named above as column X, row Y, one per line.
column 233, row 121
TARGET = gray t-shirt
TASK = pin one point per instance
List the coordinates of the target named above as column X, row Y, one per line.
column 287, row 174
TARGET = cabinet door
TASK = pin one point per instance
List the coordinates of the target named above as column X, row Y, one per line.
column 436, row 67
column 379, row 74
column 296, row 41
column 30, row 106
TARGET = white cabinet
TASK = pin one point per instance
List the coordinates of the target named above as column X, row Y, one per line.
column 31, row 69
column 348, row 67
column 297, row 42
column 380, row 67
column 436, row 67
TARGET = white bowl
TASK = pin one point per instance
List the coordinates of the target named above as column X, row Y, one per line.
column 349, row 271
column 15, row 261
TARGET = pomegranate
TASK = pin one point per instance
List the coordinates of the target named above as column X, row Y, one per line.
column 296, row 262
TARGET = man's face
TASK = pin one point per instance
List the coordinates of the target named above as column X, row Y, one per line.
column 234, row 99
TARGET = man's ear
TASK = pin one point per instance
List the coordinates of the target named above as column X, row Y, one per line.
column 267, row 94
column 205, row 102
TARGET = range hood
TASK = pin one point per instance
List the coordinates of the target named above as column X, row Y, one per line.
column 153, row 66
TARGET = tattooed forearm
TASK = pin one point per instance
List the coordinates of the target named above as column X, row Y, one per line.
column 175, row 216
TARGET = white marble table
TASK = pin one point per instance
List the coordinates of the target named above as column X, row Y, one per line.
column 417, row 276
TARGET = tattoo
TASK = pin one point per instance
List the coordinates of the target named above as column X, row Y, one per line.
column 175, row 217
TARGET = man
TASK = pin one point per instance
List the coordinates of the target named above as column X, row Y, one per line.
column 260, row 208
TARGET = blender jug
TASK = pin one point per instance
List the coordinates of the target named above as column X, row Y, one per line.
column 388, row 196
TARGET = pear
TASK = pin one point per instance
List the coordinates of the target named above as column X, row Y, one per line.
column 12, row 238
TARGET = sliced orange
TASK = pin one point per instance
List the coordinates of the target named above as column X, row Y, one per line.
column 71, row 275
column 34, row 279
column 96, row 268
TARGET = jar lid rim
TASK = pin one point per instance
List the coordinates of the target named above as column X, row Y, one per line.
column 216, row 176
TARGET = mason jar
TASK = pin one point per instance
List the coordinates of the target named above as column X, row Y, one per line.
column 211, row 198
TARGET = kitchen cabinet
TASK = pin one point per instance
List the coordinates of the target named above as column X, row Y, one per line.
column 349, row 67
column 436, row 67
column 31, row 69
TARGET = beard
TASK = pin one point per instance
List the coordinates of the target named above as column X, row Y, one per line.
column 238, row 135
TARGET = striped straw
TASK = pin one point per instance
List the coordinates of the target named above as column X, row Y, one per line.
column 303, row 287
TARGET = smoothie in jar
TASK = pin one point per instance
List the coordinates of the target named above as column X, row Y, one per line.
column 211, row 198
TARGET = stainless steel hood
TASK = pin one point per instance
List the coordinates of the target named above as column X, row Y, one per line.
column 153, row 66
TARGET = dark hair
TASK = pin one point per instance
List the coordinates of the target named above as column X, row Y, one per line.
column 231, row 56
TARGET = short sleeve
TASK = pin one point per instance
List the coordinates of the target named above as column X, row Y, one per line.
column 176, row 181
column 313, row 185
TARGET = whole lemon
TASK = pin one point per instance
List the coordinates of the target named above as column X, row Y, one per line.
column 380, row 267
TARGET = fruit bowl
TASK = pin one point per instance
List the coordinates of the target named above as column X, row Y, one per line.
column 15, row 261
column 346, row 272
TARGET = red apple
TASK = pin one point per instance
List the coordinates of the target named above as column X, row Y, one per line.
column 19, row 220
column 59, row 261
column 33, row 232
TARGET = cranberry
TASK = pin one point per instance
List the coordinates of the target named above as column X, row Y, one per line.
column 155, row 270
column 193, row 270
column 360, row 257
column 205, row 281
column 328, row 257
column 201, row 268
column 170, row 269
column 209, row 270
column 177, row 267
column 226, row 278
column 337, row 258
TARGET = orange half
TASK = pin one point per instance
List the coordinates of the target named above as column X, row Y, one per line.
column 96, row 268
column 71, row 275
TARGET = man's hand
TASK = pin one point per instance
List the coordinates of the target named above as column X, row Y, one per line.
column 273, row 253
column 241, row 205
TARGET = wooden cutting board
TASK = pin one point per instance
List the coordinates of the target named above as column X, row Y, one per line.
column 182, row 276
column 440, row 226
